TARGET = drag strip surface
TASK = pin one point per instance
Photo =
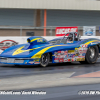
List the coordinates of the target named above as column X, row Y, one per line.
column 7, row 71
column 21, row 77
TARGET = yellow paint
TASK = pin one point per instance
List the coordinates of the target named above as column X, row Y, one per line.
column 71, row 51
column 38, row 55
column 87, row 43
column 91, row 42
column 35, row 39
column 80, row 59
column 19, row 50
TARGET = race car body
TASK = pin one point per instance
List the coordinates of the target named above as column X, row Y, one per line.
column 40, row 51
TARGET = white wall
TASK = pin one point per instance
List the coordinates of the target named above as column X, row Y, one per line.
column 23, row 39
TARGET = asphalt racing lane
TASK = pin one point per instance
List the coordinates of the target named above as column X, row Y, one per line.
column 75, row 67
column 15, row 77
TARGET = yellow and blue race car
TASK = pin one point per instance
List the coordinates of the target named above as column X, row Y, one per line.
column 40, row 51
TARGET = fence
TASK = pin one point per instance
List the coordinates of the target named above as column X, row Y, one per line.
column 37, row 31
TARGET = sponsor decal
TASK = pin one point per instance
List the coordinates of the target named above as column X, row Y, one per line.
column 80, row 59
column 61, row 31
column 66, row 52
column 83, row 54
column 61, row 60
column 71, row 51
column 7, row 43
column 89, row 30
column 83, row 45
column 76, row 54
column 31, row 62
column 55, row 53
column 73, row 59
column 69, row 60
column 59, row 52
column 62, row 52
column 81, row 50
column 65, row 60
column 40, row 40
column 56, row 59
column 71, row 55
column 83, row 59
column 36, row 62
column 94, row 43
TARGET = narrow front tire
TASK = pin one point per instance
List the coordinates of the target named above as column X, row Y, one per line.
column 45, row 59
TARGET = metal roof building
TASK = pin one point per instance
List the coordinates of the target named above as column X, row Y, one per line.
column 37, row 13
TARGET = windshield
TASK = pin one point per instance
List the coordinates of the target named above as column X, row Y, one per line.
column 58, row 41
column 68, row 38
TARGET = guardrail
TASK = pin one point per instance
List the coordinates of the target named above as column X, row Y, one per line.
column 50, row 30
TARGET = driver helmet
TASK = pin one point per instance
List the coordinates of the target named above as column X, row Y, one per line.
column 70, row 37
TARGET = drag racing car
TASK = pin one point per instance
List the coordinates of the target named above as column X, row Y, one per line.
column 38, row 50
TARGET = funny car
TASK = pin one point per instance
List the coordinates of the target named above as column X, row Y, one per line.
column 38, row 50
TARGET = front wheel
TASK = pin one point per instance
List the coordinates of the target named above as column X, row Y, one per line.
column 91, row 55
column 45, row 58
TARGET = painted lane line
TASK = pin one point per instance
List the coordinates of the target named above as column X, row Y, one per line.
column 72, row 74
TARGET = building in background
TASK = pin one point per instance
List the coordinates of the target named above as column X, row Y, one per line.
column 17, row 17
